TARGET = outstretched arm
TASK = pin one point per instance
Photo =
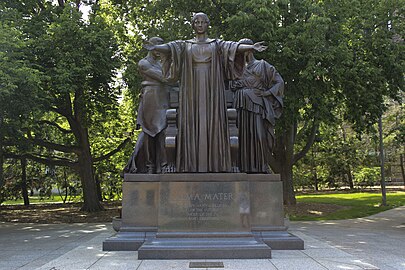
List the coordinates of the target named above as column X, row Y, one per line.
column 258, row 46
column 162, row 48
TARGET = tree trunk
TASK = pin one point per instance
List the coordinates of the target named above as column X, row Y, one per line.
column 77, row 116
column 287, row 166
column 401, row 160
column 383, row 188
column 1, row 163
column 350, row 177
column 316, row 180
column 288, row 186
column 24, row 189
column 314, row 170
column 66, row 185
column 349, row 169
column 98, row 184
column 85, row 160
column 1, row 153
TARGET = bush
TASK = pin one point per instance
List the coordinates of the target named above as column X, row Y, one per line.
column 367, row 176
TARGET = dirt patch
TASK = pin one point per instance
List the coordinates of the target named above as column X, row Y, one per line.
column 312, row 209
column 54, row 213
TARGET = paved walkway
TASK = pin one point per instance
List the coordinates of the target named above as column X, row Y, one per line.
column 376, row 242
column 378, row 239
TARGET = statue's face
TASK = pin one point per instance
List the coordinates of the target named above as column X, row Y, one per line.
column 156, row 42
column 200, row 25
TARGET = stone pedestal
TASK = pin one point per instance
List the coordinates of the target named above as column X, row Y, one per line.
column 201, row 216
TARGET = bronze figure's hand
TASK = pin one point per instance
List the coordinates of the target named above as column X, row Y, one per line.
column 149, row 47
column 259, row 46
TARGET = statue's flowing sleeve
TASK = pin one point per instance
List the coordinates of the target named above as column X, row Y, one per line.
column 274, row 83
column 233, row 60
column 171, row 62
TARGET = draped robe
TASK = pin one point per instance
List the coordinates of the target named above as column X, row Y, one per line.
column 149, row 155
column 257, row 114
column 202, row 139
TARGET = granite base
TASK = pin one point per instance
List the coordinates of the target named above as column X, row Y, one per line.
column 202, row 216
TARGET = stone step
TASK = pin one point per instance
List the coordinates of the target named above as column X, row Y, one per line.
column 204, row 248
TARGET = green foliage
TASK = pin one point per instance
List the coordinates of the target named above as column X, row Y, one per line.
column 40, row 200
column 19, row 80
column 341, row 152
column 356, row 204
column 78, row 61
column 367, row 176
column 105, row 136
column 60, row 76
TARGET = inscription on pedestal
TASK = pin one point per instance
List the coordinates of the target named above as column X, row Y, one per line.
column 201, row 206
column 205, row 207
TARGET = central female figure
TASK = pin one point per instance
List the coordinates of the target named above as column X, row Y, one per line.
column 202, row 65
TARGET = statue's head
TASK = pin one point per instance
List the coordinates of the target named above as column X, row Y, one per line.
column 246, row 41
column 200, row 22
column 155, row 41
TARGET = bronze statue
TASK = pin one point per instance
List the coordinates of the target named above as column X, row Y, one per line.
column 258, row 101
column 149, row 155
column 202, row 64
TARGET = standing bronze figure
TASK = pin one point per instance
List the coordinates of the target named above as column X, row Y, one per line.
column 202, row 64
column 258, row 101
column 149, row 155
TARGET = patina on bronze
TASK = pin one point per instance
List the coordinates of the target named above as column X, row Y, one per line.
column 202, row 64
column 149, row 155
column 258, row 101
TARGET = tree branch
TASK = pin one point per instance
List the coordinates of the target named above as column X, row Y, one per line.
column 54, row 146
column 61, row 3
column 63, row 105
column 113, row 152
column 300, row 133
column 45, row 160
column 65, row 131
column 309, row 143
column 59, row 111
column 41, row 5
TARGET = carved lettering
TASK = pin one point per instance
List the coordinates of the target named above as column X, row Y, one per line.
column 210, row 197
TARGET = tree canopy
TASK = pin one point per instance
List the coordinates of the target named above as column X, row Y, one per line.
column 61, row 72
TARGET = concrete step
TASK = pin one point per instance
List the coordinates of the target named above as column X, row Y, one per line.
column 204, row 248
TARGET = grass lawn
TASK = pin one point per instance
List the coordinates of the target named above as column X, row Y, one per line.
column 346, row 205
column 320, row 206
column 36, row 199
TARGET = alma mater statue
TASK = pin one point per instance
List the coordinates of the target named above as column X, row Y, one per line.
column 258, row 101
column 149, row 155
column 201, row 65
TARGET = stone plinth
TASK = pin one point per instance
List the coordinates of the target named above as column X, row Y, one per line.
column 195, row 216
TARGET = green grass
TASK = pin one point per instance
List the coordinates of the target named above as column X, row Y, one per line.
column 356, row 204
column 359, row 204
column 37, row 199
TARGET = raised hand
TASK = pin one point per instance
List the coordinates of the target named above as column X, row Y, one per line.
column 148, row 46
column 258, row 46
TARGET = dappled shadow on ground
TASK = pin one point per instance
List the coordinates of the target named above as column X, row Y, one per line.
column 312, row 209
column 56, row 213
column 392, row 220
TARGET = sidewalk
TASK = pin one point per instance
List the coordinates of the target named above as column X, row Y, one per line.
column 376, row 242
column 378, row 239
